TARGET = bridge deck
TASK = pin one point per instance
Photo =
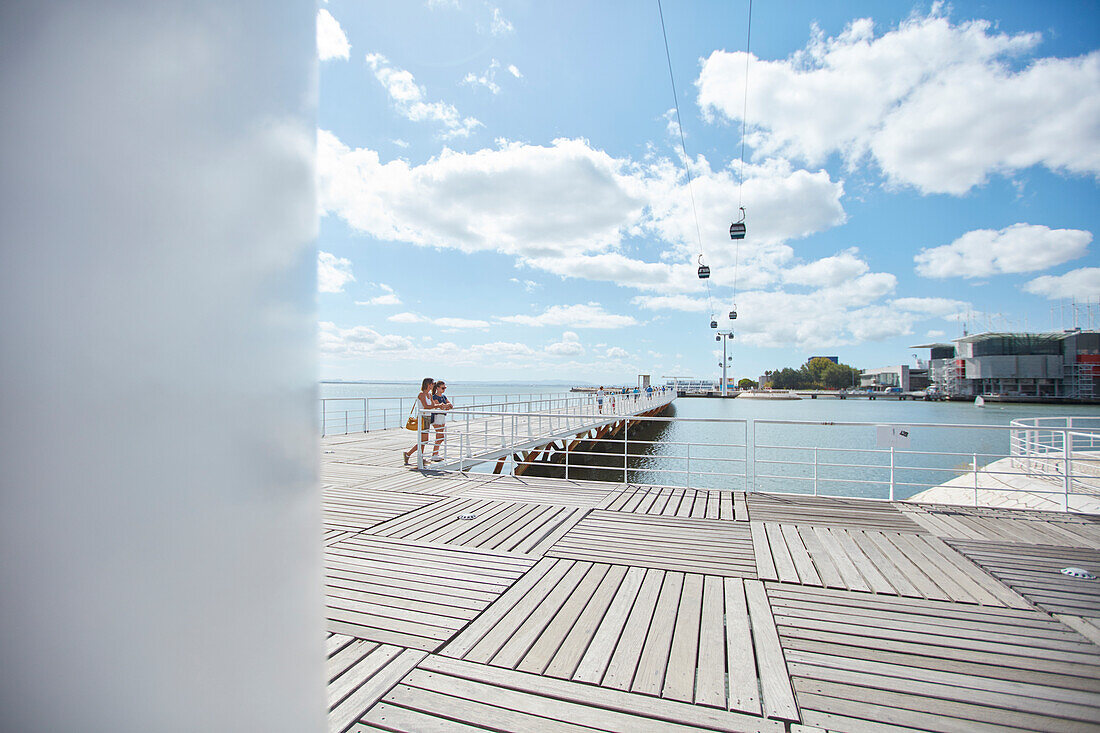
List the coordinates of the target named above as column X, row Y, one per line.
column 578, row 606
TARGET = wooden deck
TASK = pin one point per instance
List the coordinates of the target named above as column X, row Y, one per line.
column 480, row 602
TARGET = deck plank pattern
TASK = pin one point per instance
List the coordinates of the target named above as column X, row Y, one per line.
column 1035, row 572
column 450, row 694
column 640, row 630
column 572, row 605
column 667, row 543
column 859, row 662
column 872, row 561
column 966, row 525
column 835, row 512
column 358, row 509
column 513, row 527
column 410, row 595
column 673, row 502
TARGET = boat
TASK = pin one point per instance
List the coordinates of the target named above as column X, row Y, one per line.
column 768, row 394
column 979, row 401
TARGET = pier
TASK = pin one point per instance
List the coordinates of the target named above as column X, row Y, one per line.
column 465, row 601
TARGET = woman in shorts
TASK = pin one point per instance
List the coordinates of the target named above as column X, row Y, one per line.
column 424, row 403
column 439, row 419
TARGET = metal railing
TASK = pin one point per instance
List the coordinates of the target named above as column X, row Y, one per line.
column 1058, row 449
column 344, row 415
column 784, row 456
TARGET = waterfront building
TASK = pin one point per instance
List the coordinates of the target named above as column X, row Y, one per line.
column 1059, row 365
column 907, row 378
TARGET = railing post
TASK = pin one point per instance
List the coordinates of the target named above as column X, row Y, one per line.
column 345, row 422
column 626, row 451
column 891, row 473
column 324, row 418
column 366, row 411
column 687, row 485
column 419, row 442
column 1067, row 441
column 567, row 459
column 815, row 470
column 974, row 467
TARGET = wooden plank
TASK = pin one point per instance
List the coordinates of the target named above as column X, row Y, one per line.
column 661, row 712
column 1086, row 627
column 862, row 561
column 784, row 565
column 537, row 657
column 710, row 683
column 386, row 665
column 526, row 630
column 650, row 675
column 807, row 573
column 624, row 662
column 847, row 569
column 679, row 682
column 596, row 657
column 774, row 681
column 765, row 567
column 568, row 656
column 476, row 630
column 823, row 563
column 743, row 684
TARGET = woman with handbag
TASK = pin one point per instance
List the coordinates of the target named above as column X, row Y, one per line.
column 420, row 419
column 439, row 419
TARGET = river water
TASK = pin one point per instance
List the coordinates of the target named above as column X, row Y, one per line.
column 745, row 446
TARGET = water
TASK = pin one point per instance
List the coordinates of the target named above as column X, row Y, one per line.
column 850, row 461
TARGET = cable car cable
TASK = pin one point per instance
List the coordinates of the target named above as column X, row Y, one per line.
column 741, row 176
column 687, row 161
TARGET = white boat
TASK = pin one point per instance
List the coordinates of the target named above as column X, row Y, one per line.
column 768, row 394
column 979, row 401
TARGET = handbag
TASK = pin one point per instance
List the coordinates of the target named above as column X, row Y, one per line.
column 413, row 422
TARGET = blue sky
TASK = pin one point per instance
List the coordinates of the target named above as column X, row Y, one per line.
column 504, row 195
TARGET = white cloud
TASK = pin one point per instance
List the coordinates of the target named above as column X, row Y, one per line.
column 400, row 143
column 333, row 273
column 671, row 302
column 1018, row 248
column 1083, row 282
column 590, row 315
column 936, row 105
column 514, row 71
column 449, row 323
column 616, row 352
column 575, row 211
column 501, row 25
column 941, row 307
column 828, row 271
column 934, row 334
column 487, row 79
column 568, row 346
column 409, row 99
column 358, row 341
column 529, row 285
column 331, row 41
column 384, row 299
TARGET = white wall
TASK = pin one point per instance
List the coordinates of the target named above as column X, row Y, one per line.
column 159, row 520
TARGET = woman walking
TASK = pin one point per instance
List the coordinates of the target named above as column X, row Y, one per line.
column 424, row 403
column 439, row 419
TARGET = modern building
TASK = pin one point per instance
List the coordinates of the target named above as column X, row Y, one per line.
column 1062, row 365
column 909, row 379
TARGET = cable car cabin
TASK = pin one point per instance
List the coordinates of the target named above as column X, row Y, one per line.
column 733, row 315
column 737, row 228
column 714, row 324
column 704, row 272
column 717, row 338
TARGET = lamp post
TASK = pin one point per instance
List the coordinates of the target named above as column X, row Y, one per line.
column 724, row 336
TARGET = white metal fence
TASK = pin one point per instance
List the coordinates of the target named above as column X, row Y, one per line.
column 864, row 459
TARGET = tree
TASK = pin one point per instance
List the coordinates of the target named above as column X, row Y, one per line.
column 746, row 383
column 839, row 376
column 816, row 368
